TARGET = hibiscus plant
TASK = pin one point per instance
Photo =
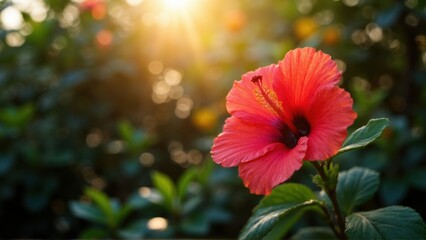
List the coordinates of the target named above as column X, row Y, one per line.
column 293, row 112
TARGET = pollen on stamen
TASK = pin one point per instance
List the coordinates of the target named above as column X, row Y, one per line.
column 269, row 100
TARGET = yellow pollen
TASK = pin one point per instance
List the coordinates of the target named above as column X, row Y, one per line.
column 269, row 100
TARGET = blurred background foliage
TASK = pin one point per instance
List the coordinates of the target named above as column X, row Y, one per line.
column 108, row 108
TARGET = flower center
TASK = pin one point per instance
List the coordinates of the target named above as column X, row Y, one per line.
column 289, row 137
column 302, row 125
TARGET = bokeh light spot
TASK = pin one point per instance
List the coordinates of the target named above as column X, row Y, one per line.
column 332, row 35
column 99, row 12
column 94, row 138
column 205, row 119
column 235, row 20
column 116, row 146
column 14, row 39
column 304, row 6
column 176, row 92
column 183, row 107
column 172, row 77
column 104, row 37
column 341, row 65
column 146, row 159
column 37, row 9
column 412, row 20
column 305, row 27
column 178, row 156
column 155, row 67
column 145, row 192
column 11, row 18
column 157, row 224
column 194, row 157
column 411, row 3
column 161, row 88
column 374, row 32
column 361, row 84
column 351, row 3
column 359, row 37
column 69, row 17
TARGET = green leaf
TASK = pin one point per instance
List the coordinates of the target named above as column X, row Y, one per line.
column 102, row 200
column 184, row 181
column 314, row 233
column 135, row 230
column 284, row 200
column 395, row 222
column 365, row 135
column 123, row 213
column 134, row 138
column 355, row 187
column 284, row 225
column 17, row 116
column 88, row 212
column 125, row 129
column 205, row 172
column 165, row 186
column 287, row 193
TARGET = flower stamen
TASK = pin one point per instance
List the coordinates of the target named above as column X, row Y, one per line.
column 257, row 80
column 269, row 99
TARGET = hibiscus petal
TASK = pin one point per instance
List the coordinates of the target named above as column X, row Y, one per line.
column 329, row 115
column 242, row 101
column 242, row 141
column 275, row 167
column 304, row 70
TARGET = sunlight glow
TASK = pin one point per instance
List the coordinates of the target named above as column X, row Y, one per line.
column 176, row 4
column 134, row 2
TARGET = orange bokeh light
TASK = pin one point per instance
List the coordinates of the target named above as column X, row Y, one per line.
column 104, row 38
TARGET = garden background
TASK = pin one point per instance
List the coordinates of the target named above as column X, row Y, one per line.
column 108, row 108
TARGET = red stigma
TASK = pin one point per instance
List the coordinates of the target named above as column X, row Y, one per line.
column 256, row 79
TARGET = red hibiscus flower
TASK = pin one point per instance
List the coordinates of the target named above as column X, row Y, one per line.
column 283, row 114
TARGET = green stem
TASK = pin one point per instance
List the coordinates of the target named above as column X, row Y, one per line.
column 331, row 192
column 329, row 220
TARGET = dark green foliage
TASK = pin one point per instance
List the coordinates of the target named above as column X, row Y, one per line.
column 314, row 233
column 365, row 135
column 355, row 187
column 393, row 222
column 286, row 201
